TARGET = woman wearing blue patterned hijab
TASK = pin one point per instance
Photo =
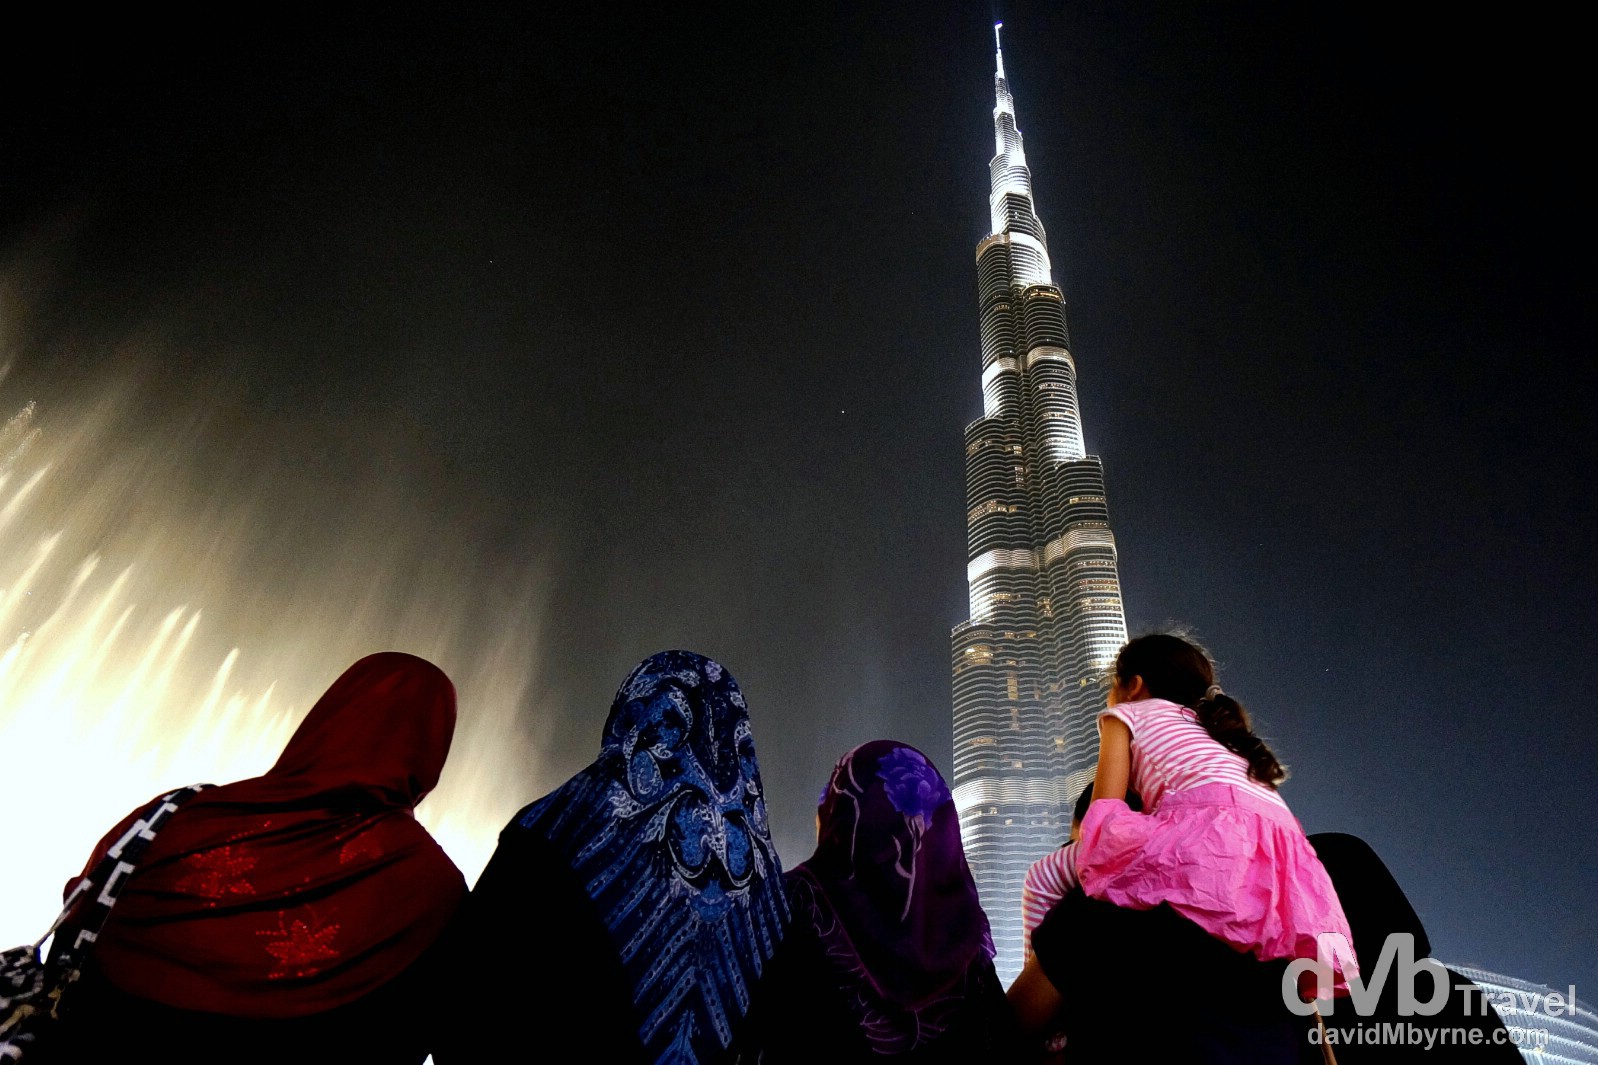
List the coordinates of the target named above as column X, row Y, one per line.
column 640, row 901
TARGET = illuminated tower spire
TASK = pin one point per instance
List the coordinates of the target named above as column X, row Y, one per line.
column 1046, row 617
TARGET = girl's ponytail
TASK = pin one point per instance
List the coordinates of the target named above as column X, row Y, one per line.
column 1224, row 718
column 1181, row 671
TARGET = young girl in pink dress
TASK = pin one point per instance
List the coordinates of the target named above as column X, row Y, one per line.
column 1218, row 844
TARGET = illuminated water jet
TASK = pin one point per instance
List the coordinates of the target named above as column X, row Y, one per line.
column 115, row 684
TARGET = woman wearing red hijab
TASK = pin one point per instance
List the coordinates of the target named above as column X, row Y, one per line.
column 296, row 916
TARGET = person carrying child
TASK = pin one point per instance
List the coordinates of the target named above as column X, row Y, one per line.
column 1217, row 843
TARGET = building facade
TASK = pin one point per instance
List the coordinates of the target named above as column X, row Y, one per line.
column 1045, row 595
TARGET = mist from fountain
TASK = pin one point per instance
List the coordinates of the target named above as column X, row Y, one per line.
column 152, row 635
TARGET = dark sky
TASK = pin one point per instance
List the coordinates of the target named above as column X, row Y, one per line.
column 682, row 304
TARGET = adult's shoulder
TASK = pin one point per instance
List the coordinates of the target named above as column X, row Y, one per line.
column 801, row 957
column 573, row 811
column 534, row 941
column 524, row 861
column 801, row 886
column 1084, row 943
column 800, row 1009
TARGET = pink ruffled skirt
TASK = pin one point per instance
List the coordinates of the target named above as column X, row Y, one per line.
column 1235, row 864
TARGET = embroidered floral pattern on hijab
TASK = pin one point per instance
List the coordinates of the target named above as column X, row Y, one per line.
column 914, row 788
column 219, row 917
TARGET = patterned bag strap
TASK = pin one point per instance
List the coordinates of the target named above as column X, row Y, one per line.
column 110, row 873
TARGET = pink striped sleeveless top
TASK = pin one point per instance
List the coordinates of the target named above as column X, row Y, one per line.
column 1171, row 752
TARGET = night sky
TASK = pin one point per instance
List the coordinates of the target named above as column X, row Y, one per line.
column 679, row 310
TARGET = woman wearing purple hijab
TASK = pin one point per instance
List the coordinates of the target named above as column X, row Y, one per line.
column 888, row 954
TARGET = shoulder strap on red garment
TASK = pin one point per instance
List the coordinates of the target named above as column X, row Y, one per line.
column 108, row 875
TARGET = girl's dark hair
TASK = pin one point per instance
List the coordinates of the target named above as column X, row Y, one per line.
column 1181, row 671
